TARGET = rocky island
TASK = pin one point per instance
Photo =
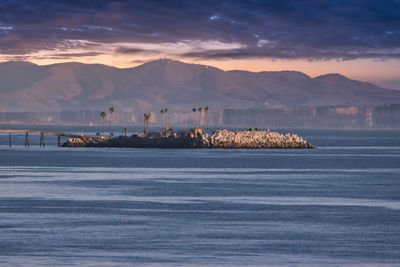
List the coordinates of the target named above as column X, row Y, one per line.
column 196, row 139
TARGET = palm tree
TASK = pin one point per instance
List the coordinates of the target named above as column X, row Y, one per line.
column 103, row 115
column 199, row 117
column 166, row 121
column 146, row 123
column 162, row 121
column 205, row 117
column 112, row 110
column 193, row 117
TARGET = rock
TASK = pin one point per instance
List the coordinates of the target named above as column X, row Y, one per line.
column 252, row 139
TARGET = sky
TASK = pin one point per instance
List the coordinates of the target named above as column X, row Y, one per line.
column 357, row 38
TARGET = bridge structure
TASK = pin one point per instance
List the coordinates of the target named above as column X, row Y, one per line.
column 42, row 134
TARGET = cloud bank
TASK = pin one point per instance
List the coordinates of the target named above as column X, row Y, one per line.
column 289, row 29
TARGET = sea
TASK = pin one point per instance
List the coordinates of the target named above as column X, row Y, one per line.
column 336, row 205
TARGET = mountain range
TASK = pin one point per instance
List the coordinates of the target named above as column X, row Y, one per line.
column 176, row 85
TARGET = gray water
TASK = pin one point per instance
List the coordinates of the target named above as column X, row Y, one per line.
column 336, row 205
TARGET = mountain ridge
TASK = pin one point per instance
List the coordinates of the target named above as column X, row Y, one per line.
column 177, row 85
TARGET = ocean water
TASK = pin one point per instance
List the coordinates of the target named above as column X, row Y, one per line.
column 336, row 205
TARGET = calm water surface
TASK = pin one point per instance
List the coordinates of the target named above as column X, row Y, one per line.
column 335, row 205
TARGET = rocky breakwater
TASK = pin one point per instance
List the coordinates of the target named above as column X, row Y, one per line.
column 135, row 141
column 217, row 139
column 82, row 141
column 252, row 139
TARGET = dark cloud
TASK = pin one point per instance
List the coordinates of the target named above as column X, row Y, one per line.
column 85, row 54
column 138, row 61
column 287, row 54
column 124, row 50
column 313, row 29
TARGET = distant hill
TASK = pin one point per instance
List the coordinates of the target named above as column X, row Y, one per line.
column 179, row 86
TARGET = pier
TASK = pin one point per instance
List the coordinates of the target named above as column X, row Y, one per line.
column 42, row 134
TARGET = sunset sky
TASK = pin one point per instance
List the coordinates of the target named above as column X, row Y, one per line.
column 359, row 39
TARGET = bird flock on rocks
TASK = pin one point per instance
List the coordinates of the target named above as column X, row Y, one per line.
column 253, row 139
